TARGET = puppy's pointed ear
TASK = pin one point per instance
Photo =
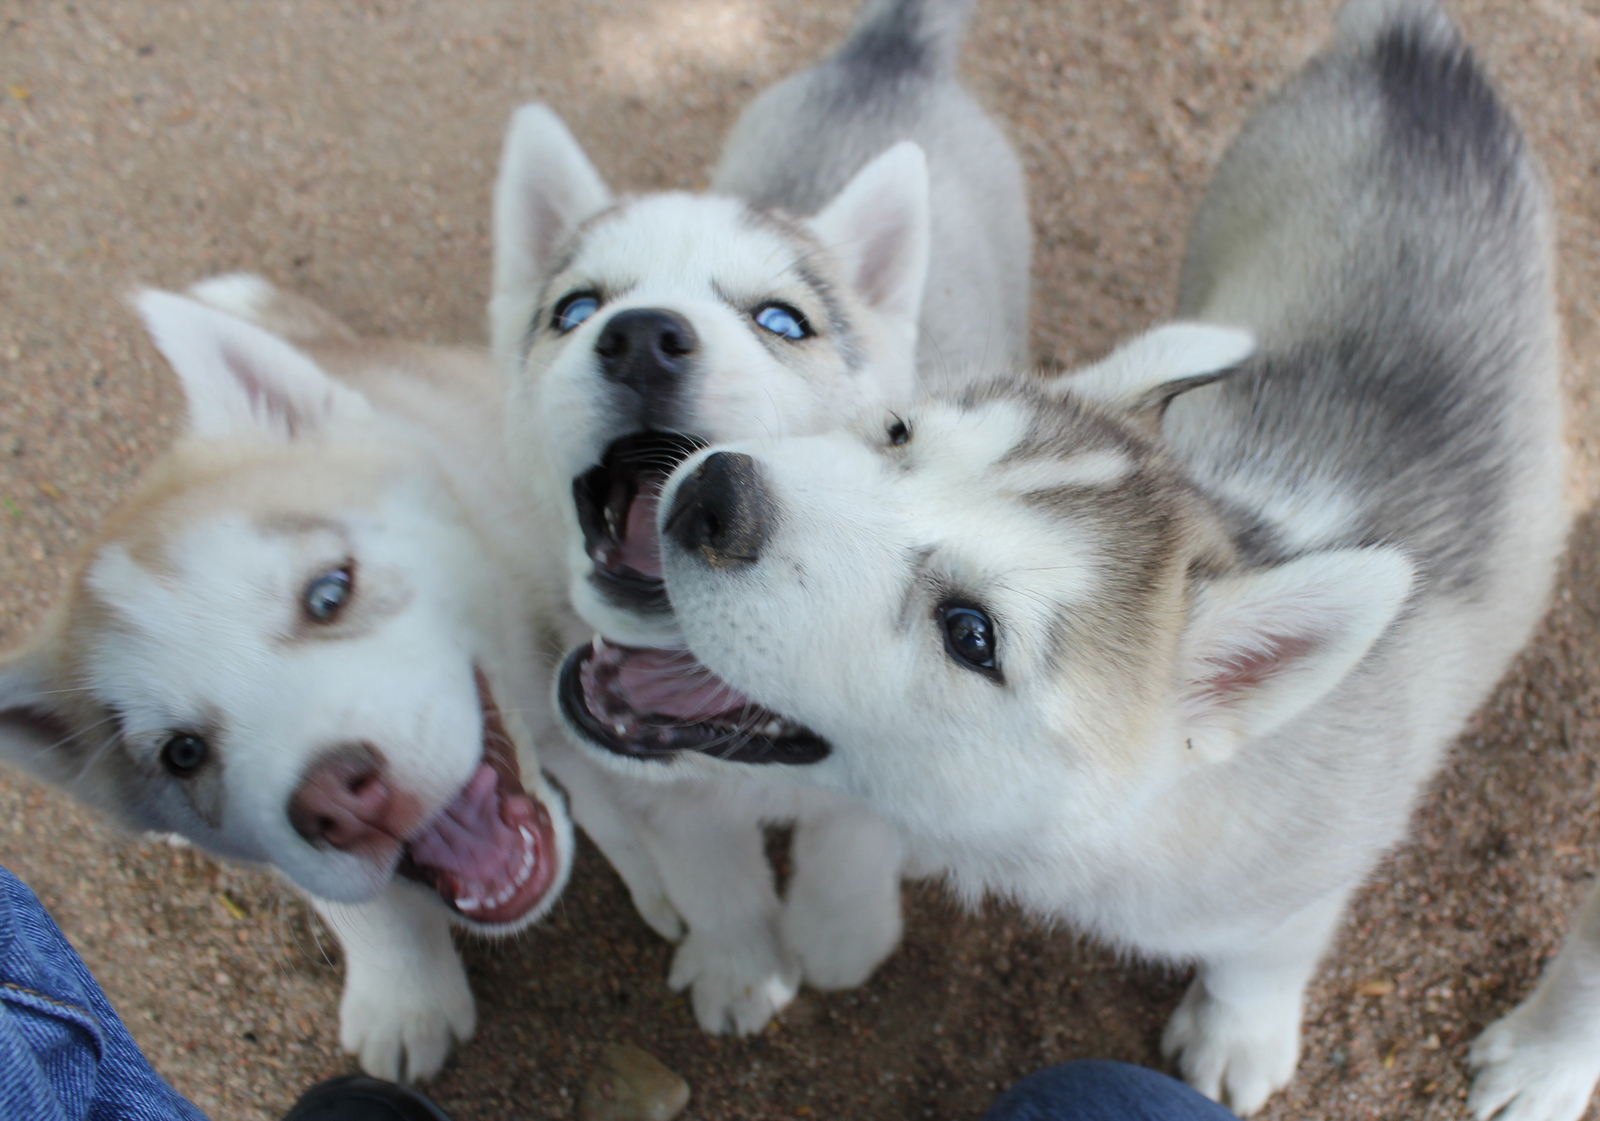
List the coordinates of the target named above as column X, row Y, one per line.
column 879, row 229
column 547, row 186
column 1142, row 376
column 1260, row 648
column 37, row 730
column 240, row 379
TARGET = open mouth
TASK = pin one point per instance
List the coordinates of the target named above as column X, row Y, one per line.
column 616, row 503
column 652, row 704
column 491, row 853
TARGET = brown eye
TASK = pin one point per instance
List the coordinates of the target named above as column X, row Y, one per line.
column 969, row 635
column 326, row 596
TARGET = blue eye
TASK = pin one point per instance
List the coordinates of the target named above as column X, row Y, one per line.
column 574, row 309
column 781, row 319
column 326, row 596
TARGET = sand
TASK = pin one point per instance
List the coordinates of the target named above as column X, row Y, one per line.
column 346, row 150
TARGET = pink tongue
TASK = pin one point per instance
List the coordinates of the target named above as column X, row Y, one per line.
column 469, row 839
column 640, row 547
column 661, row 683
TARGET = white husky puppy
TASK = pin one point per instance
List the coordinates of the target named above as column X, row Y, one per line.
column 866, row 237
column 1175, row 675
column 311, row 639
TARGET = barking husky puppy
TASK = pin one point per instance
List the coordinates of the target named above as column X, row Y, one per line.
column 309, row 640
column 866, row 238
column 1176, row 674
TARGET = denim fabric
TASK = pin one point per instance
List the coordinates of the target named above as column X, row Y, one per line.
column 64, row 1053
column 1099, row 1090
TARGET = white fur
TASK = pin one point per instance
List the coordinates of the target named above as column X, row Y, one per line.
column 1224, row 669
column 1161, row 356
column 1541, row 1062
column 888, row 210
column 187, row 615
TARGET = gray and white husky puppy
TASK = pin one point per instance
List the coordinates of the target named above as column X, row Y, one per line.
column 865, row 237
column 1167, row 648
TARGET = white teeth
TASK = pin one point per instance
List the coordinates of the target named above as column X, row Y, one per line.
column 481, row 898
column 620, row 728
column 772, row 727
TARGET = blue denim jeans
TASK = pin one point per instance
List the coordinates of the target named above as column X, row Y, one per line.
column 1099, row 1090
column 64, row 1053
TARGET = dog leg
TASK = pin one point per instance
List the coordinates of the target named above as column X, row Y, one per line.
column 715, row 869
column 592, row 805
column 1541, row 1062
column 841, row 914
column 1236, row 1036
column 405, row 991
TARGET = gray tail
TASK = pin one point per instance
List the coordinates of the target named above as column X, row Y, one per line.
column 1382, row 226
column 907, row 36
column 1438, row 103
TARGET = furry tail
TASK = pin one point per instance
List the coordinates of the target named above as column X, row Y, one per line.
column 1363, row 23
column 900, row 36
column 254, row 300
column 1444, row 119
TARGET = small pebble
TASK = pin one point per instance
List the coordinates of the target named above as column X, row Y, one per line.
column 632, row 1085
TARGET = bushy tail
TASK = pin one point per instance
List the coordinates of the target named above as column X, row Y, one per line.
column 1364, row 23
column 896, row 36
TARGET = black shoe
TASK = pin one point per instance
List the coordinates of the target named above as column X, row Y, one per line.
column 355, row 1097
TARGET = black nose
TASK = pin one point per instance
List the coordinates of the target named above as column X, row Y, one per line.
column 722, row 511
column 647, row 349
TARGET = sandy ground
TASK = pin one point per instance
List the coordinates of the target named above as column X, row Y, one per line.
column 346, row 150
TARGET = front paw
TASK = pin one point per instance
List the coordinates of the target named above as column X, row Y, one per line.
column 1527, row 1073
column 839, row 946
column 735, row 984
column 1243, row 1052
column 402, row 1026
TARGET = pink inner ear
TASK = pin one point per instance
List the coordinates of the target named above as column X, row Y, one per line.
column 878, row 270
column 1233, row 675
column 48, row 728
column 268, row 406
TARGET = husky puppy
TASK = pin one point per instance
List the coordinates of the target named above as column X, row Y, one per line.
column 1541, row 1062
column 310, row 639
column 1175, row 675
column 865, row 238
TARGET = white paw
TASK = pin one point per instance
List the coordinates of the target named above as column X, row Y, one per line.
column 402, row 1027
column 1232, row 1054
column 736, row 985
column 1526, row 1074
column 839, row 946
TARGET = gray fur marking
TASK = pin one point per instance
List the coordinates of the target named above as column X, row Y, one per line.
column 1397, row 391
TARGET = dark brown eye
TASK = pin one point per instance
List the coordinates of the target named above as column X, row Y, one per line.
column 326, row 596
column 184, row 753
column 899, row 432
column 969, row 636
